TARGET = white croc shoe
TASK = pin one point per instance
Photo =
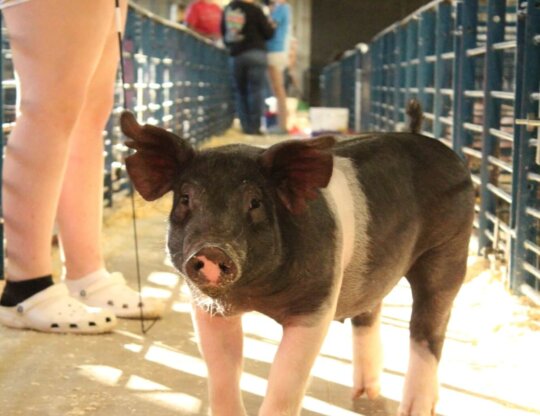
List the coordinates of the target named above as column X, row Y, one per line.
column 54, row 310
column 114, row 294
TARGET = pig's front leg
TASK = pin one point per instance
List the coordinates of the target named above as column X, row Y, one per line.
column 290, row 371
column 220, row 342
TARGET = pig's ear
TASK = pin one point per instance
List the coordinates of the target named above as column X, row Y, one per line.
column 159, row 156
column 299, row 168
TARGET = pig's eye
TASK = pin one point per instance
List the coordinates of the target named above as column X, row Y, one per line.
column 184, row 199
column 254, row 204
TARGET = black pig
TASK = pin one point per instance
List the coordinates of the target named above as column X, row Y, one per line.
column 308, row 231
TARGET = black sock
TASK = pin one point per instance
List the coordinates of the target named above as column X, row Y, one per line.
column 16, row 292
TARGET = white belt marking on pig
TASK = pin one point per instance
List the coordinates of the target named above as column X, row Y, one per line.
column 349, row 206
column 342, row 205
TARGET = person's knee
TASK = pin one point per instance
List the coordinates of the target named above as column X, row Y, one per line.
column 98, row 106
column 59, row 108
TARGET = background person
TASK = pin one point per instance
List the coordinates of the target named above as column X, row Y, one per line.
column 204, row 17
column 278, row 59
column 245, row 30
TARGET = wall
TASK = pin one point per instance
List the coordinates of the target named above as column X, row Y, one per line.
column 338, row 25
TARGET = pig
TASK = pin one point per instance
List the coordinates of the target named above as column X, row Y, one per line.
column 308, row 231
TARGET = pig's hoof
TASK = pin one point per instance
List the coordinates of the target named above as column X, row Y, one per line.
column 418, row 399
column 368, row 367
column 371, row 391
column 416, row 409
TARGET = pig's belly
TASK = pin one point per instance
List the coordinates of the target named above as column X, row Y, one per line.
column 362, row 292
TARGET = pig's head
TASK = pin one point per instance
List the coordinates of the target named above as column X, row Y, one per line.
column 225, row 223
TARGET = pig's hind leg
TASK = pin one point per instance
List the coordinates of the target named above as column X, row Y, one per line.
column 435, row 280
column 367, row 353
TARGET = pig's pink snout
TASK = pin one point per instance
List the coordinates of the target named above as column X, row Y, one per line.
column 211, row 265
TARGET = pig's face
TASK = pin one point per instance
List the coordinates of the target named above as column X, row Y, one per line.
column 228, row 202
column 223, row 227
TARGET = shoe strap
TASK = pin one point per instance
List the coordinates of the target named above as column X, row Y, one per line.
column 56, row 291
column 114, row 279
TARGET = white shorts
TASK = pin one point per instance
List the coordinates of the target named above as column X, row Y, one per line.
column 8, row 3
column 278, row 60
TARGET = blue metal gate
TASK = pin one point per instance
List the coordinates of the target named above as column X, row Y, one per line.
column 475, row 67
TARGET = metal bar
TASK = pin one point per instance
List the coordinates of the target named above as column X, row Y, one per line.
column 503, row 95
column 472, row 152
column 509, row 44
column 446, row 120
column 493, row 74
column 533, row 177
column 502, row 225
column 528, row 122
column 501, row 134
column 532, row 270
column 533, row 212
column 500, row 163
column 463, row 70
column 527, row 80
column 474, row 93
column 499, row 192
column 411, row 78
column 477, row 128
column 479, row 50
column 529, row 245
column 530, row 293
column 425, row 74
column 447, row 142
column 476, row 180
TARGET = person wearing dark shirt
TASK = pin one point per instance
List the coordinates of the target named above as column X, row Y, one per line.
column 245, row 30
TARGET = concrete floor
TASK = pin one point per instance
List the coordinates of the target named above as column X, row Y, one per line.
column 490, row 364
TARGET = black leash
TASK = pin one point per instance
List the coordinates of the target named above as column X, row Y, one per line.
column 118, row 13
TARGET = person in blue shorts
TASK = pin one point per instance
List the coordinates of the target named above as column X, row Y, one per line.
column 280, row 15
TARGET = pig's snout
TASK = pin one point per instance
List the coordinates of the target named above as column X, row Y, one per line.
column 211, row 266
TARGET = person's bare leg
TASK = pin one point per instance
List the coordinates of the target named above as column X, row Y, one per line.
column 278, row 87
column 81, row 200
column 56, row 48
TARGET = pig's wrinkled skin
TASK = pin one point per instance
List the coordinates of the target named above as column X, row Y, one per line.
column 309, row 231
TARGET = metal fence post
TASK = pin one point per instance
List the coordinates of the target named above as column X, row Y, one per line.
column 442, row 73
column 525, row 274
column 493, row 67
